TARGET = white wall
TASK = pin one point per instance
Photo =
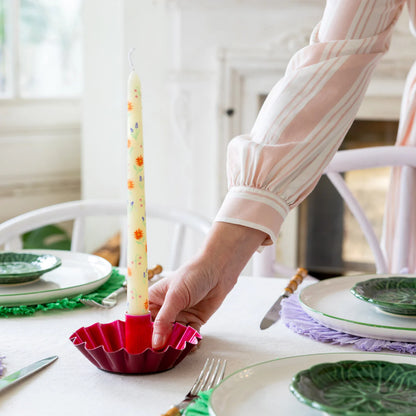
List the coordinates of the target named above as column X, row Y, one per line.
column 39, row 154
column 112, row 28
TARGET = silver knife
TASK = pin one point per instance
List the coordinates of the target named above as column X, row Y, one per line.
column 273, row 314
column 19, row 375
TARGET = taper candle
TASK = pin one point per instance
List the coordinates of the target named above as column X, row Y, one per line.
column 137, row 283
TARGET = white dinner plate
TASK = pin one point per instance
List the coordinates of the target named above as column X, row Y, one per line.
column 263, row 389
column 331, row 303
column 79, row 273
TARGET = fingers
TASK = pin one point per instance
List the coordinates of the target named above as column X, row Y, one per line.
column 181, row 298
column 161, row 333
column 162, row 326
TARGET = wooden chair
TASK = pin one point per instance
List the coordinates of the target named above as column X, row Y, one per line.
column 183, row 220
column 264, row 264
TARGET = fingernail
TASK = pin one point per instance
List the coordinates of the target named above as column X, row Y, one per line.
column 158, row 341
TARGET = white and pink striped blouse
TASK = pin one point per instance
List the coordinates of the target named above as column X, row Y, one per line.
column 307, row 114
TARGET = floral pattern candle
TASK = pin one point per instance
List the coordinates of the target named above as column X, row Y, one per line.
column 137, row 283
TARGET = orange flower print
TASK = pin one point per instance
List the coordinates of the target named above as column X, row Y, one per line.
column 146, row 304
column 128, row 143
column 139, row 161
column 129, row 271
column 130, row 184
column 129, row 106
column 138, row 234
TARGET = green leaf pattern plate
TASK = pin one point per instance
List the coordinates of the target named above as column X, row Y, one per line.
column 18, row 268
column 358, row 388
column 80, row 273
column 395, row 295
column 263, row 389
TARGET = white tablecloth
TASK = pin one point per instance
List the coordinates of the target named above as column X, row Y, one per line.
column 73, row 386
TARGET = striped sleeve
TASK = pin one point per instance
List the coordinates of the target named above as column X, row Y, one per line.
column 306, row 115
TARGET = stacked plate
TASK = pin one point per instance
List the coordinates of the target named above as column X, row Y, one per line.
column 31, row 277
column 352, row 384
column 354, row 304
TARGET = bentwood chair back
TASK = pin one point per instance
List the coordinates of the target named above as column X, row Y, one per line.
column 183, row 221
column 403, row 241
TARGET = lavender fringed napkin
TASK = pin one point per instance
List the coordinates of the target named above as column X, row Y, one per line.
column 296, row 319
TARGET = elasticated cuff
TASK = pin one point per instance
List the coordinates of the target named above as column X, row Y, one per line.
column 254, row 208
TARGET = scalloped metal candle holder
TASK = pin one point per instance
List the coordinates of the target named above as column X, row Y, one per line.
column 105, row 346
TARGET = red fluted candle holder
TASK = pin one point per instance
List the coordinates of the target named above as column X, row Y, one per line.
column 104, row 345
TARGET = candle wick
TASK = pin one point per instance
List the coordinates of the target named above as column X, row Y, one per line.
column 130, row 59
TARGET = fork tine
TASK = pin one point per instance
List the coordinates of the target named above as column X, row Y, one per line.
column 218, row 374
column 208, row 377
column 214, row 375
column 201, row 380
column 221, row 373
column 211, row 376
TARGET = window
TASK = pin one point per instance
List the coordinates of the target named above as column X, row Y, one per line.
column 40, row 49
column 40, row 111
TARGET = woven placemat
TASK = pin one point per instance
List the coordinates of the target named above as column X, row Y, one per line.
column 114, row 282
column 296, row 319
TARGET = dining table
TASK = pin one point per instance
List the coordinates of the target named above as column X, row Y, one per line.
column 73, row 385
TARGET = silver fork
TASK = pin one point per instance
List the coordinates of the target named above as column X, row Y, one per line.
column 109, row 301
column 211, row 374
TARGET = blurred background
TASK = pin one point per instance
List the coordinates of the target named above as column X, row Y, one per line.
column 206, row 67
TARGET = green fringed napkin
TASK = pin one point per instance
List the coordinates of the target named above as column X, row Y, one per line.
column 114, row 282
column 200, row 406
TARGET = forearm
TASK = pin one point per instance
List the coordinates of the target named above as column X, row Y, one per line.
column 228, row 248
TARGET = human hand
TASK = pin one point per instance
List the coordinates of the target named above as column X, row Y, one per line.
column 189, row 296
column 195, row 291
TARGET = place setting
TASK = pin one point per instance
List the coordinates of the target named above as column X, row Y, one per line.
column 360, row 306
column 42, row 276
column 371, row 381
column 373, row 313
column 329, row 383
column 40, row 279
